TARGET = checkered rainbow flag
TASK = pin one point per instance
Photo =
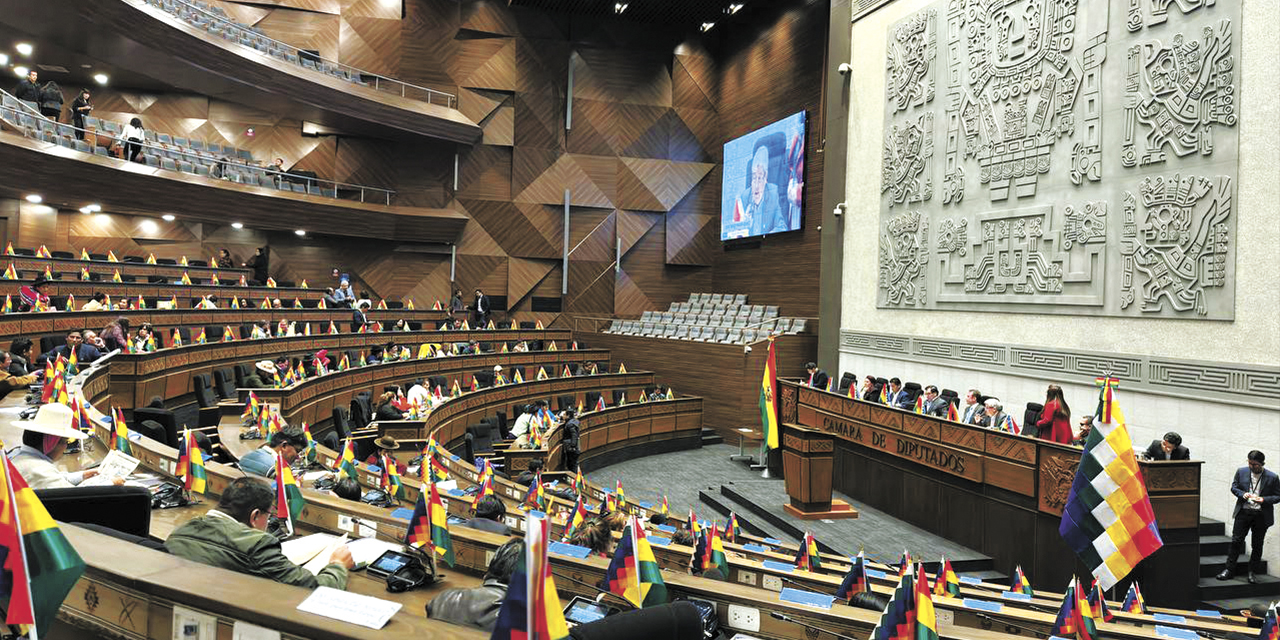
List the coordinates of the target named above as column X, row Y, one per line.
column 1108, row 519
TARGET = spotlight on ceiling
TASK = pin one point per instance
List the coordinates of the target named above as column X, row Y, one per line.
column 86, row 210
column 733, row 8
column 34, row 198
column 149, row 226
column 619, row 7
column 301, row 232
column 4, row 59
column 20, row 71
column 168, row 217
column 95, row 208
column 24, row 48
column 100, row 78
column 706, row 26
column 237, row 225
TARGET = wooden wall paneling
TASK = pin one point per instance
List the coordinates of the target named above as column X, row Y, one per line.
column 478, row 104
column 516, row 234
column 423, row 173
column 592, row 128
column 427, row 43
column 539, row 118
column 500, row 127
column 568, row 173
column 370, row 43
column 523, row 275
column 484, row 171
column 661, row 284
column 305, row 29
column 693, row 224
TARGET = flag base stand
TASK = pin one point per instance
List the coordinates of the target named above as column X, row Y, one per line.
column 840, row 510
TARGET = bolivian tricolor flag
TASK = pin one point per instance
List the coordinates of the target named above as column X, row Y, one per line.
column 186, row 277
column 926, row 620
column 111, row 256
column 43, row 252
column 768, row 399
column 576, row 518
column 10, row 273
column 633, row 573
column 531, row 608
column 289, row 500
column 84, row 253
column 40, row 565
column 347, row 464
column 948, row 583
column 429, row 526
column 119, row 432
column 190, row 467
column 151, row 258
column 542, row 374
column 84, row 274
column 8, row 250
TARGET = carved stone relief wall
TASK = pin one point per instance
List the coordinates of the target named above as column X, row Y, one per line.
column 1087, row 152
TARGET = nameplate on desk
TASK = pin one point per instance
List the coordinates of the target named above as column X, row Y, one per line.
column 758, row 548
column 807, row 598
column 772, row 541
column 982, row 605
column 349, row 607
column 457, row 493
column 660, row 541
column 566, row 549
column 879, row 575
column 1164, row 617
column 1175, row 633
column 1207, row 613
column 402, row 514
column 645, row 505
column 666, row 527
column 970, row 580
column 778, row 566
column 374, row 469
column 1014, row 595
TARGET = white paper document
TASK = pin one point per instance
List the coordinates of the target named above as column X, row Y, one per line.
column 321, row 560
column 365, row 611
column 302, row 550
column 116, row 465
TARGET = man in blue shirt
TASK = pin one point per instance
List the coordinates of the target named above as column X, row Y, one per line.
column 287, row 442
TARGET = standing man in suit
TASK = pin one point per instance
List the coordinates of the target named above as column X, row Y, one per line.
column 817, row 377
column 934, row 404
column 1168, row 448
column 897, row 395
column 481, row 309
column 358, row 317
column 1256, row 490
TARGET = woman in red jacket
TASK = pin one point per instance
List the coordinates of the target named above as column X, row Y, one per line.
column 1055, row 420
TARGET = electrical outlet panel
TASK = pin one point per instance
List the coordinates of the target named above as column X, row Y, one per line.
column 946, row 617
column 744, row 618
column 771, row 583
column 747, row 577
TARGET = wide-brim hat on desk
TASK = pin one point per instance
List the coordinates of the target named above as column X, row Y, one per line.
column 266, row 365
column 386, row 442
column 52, row 419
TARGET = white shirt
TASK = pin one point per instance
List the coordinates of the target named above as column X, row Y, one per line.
column 131, row 131
column 418, row 394
column 40, row 472
column 522, row 425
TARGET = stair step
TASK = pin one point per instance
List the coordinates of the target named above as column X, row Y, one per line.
column 1214, row 589
column 988, row 575
column 1234, row 606
column 1211, row 527
column 750, row 525
column 1211, row 565
column 710, row 437
column 1214, row 545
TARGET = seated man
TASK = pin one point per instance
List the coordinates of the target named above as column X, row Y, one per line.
column 1168, row 448
column 971, row 406
column 234, row 536
column 478, row 607
column 1086, row 426
column 815, row 377
column 75, row 340
column 897, row 395
column 991, row 417
column 489, row 515
column 9, row 382
column 287, row 442
column 97, row 303
column 527, row 476
column 934, row 405
column 521, row 428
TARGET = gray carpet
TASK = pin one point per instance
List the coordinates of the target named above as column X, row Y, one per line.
column 683, row 474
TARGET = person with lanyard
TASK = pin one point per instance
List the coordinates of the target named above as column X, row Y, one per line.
column 44, row 441
column 1257, row 490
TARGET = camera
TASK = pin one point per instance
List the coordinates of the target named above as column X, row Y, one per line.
column 845, row 68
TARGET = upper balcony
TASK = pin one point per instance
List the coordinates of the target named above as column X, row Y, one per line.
column 194, row 49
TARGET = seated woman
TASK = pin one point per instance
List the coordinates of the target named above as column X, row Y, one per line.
column 385, row 410
column 478, row 607
column 20, row 357
column 594, row 535
column 44, row 440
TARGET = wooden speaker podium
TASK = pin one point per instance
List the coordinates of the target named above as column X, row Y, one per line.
column 807, row 457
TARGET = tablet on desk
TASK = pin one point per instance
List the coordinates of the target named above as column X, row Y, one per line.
column 388, row 563
column 581, row 610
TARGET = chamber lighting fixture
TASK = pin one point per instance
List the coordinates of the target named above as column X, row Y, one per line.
column 301, row 232
column 706, row 26
column 168, row 217
column 100, row 78
column 34, row 198
column 24, row 48
column 733, row 8
column 237, row 225
column 619, row 7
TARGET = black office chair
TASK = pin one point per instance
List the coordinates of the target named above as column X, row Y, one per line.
column 163, row 427
column 203, row 388
column 528, row 325
column 500, row 418
column 341, row 422
column 679, row 620
column 949, row 393
column 913, row 390
column 845, row 380
column 564, row 402
column 618, row 395
column 224, row 383
column 64, row 255
column 124, row 508
column 359, row 417
column 242, row 371
column 479, row 440
column 590, row 401
column 484, row 378
column 213, row 333
column 52, row 341
column 1030, row 417
column 440, row 382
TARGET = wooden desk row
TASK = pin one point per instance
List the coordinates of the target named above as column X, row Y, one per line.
column 168, row 372
column 83, row 290
column 74, row 265
column 992, row 491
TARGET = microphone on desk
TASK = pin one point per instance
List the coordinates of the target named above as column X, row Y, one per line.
column 786, row 618
column 403, row 580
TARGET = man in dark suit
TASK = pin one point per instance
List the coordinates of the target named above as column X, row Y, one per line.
column 481, row 309
column 817, row 378
column 897, row 395
column 1256, row 490
column 934, row 404
column 75, row 340
column 1168, row 448
column 490, row 513
column 359, row 318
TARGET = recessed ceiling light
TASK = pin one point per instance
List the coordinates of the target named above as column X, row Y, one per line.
column 301, row 232
column 86, row 210
column 34, row 198
column 103, row 219
column 4, row 59
column 734, row 7
column 24, row 48
column 20, row 71
column 237, row 225
column 100, row 78
column 706, row 26
column 149, row 226
column 95, row 207
column 619, row 7
column 249, row 132
column 168, row 217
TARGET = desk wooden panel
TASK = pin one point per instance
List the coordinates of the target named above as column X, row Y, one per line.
column 140, row 269
column 727, row 378
column 83, row 290
column 995, row 492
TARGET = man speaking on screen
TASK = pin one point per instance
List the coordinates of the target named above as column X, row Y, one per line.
column 761, row 198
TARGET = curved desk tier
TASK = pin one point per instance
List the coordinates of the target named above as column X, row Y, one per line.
column 992, row 491
column 167, row 373
column 328, row 513
column 141, row 269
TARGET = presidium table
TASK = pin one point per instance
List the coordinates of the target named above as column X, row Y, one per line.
column 995, row 492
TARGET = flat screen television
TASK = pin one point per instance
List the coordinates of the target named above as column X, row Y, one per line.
column 763, row 188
